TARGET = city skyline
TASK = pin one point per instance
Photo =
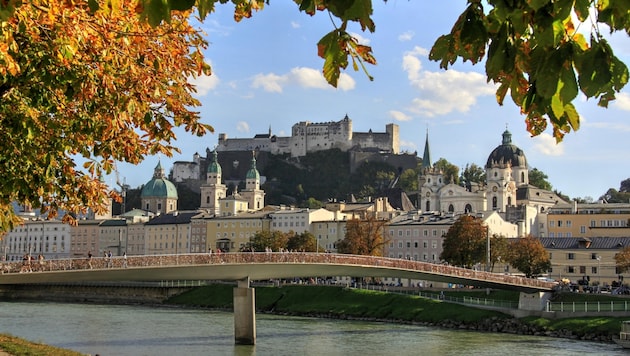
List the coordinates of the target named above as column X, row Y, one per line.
column 266, row 74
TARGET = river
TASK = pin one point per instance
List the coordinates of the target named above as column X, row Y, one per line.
column 141, row 330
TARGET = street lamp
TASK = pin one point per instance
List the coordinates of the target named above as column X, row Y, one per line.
column 599, row 276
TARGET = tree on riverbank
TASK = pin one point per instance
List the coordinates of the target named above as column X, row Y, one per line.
column 465, row 242
column 364, row 237
column 528, row 255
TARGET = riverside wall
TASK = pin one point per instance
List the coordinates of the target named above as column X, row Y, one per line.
column 91, row 293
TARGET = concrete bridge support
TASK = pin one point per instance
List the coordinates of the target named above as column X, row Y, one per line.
column 533, row 301
column 244, row 313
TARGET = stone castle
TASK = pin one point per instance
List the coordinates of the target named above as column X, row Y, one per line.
column 305, row 137
column 310, row 137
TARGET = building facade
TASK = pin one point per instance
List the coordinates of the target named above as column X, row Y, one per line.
column 310, row 137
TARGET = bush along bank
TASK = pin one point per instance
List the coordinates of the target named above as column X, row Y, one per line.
column 354, row 304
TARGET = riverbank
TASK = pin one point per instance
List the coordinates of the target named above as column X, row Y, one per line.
column 355, row 304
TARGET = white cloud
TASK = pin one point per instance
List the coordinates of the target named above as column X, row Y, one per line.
column 204, row 83
column 269, row 82
column 546, row 144
column 406, row 36
column 622, row 102
column 399, row 115
column 445, row 91
column 295, row 24
column 362, row 40
column 300, row 76
column 408, row 145
column 242, row 126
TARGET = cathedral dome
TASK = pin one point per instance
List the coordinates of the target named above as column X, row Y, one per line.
column 252, row 173
column 214, row 166
column 159, row 186
column 507, row 153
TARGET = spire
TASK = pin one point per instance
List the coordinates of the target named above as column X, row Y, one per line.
column 158, row 172
column 253, row 172
column 426, row 157
column 507, row 137
column 214, row 166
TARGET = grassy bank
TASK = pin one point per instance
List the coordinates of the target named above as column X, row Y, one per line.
column 318, row 300
column 354, row 303
column 20, row 347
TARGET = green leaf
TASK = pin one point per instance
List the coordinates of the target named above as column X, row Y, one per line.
column 572, row 116
column 557, row 106
column 582, row 9
column 181, row 5
column 594, row 69
column 568, row 84
column 93, row 5
column 537, row 4
column 334, row 57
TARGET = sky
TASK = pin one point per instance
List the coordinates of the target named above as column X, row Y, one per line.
column 266, row 74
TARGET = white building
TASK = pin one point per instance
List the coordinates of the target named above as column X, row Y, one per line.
column 50, row 238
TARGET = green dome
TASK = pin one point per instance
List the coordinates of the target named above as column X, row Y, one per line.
column 214, row 166
column 159, row 186
column 253, row 172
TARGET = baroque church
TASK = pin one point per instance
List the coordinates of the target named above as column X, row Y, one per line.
column 506, row 189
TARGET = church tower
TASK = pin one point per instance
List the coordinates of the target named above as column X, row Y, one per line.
column 213, row 190
column 430, row 180
column 506, row 170
column 252, row 193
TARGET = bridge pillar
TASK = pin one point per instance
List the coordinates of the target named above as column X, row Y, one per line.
column 533, row 301
column 244, row 314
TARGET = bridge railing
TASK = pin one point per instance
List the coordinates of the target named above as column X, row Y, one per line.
column 576, row 307
column 266, row 257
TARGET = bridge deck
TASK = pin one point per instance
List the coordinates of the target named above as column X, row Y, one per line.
column 255, row 266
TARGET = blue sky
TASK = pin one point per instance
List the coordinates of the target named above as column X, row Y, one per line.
column 266, row 73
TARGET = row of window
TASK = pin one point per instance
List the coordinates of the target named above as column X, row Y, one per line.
column 416, row 244
column 593, row 223
column 416, row 233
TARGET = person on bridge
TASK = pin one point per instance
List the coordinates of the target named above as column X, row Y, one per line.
column 90, row 259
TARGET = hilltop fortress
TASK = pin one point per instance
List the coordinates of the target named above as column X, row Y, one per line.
column 306, row 137
column 309, row 137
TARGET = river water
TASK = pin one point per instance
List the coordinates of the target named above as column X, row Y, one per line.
column 140, row 330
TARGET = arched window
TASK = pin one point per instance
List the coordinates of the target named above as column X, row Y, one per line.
column 494, row 203
column 208, row 199
column 428, row 208
column 522, row 177
column 468, row 209
column 509, row 201
column 451, row 208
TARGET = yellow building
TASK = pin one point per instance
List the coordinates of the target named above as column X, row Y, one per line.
column 587, row 220
column 84, row 238
column 168, row 233
column 592, row 259
column 231, row 233
column 328, row 233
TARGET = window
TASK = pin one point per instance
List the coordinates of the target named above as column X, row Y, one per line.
column 552, row 223
column 593, row 256
column 400, row 244
column 559, row 223
column 571, row 269
column 570, row 256
column 568, row 223
column 594, row 270
column 582, row 269
column 582, row 229
column 408, row 244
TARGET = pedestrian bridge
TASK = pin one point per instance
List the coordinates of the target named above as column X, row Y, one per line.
column 248, row 266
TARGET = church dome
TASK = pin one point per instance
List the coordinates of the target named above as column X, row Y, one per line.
column 507, row 153
column 214, row 166
column 252, row 173
column 159, row 186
